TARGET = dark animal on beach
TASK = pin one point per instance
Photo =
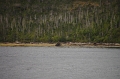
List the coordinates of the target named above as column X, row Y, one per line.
column 58, row 44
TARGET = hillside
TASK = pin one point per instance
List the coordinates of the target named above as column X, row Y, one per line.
column 60, row 20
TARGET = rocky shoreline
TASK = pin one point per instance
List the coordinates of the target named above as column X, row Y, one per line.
column 110, row 45
column 69, row 44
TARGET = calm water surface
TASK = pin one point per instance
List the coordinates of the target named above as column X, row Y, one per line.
column 59, row 63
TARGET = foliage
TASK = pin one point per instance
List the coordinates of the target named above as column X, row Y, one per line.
column 60, row 21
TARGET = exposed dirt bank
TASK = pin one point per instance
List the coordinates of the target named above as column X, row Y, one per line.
column 70, row 44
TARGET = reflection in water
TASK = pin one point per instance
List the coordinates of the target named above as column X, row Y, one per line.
column 59, row 63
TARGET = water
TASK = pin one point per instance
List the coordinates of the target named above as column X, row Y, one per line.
column 59, row 63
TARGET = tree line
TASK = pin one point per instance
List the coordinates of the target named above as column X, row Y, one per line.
column 60, row 20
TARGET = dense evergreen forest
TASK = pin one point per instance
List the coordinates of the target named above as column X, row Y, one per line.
column 60, row 20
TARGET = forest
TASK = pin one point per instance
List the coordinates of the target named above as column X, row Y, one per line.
column 95, row 21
